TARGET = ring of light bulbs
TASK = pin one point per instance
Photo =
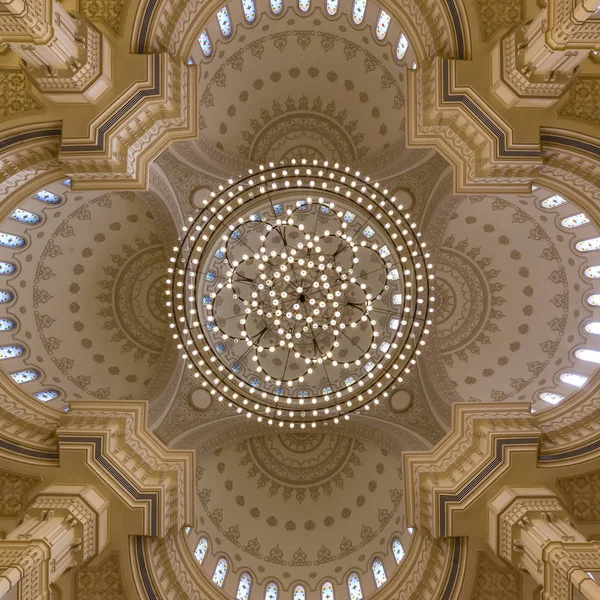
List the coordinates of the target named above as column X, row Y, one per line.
column 284, row 295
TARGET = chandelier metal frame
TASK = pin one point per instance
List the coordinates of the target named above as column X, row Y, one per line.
column 321, row 182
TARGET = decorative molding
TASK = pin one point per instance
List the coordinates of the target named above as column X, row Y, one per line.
column 140, row 469
column 583, row 492
column 14, row 491
column 102, row 582
column 584, row 100
column 494, row 582
column 569, row 26
column 14, row 93
column 476, row 452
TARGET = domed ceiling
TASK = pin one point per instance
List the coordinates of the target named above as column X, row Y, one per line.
column 89, row 294
column 300, row 507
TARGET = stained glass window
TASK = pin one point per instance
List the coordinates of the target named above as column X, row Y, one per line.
column 592, row 272
column 6, row 268
column 397, row 549
column 10, row 351
column 187, row 530
column 24, row 216
column 327, row 591
column 255, row 382
column 220, row 253
column 250, row 14
column 575, row 221
column 25, row 376
column 211, row 276
column 573, row 379
column 393, row 275
column 593, row 328
column 278, row 208
column 299, row 593
column 401, row 47
column 6, row 296
column 200, row 551
column 551, row 397
column 49, row 197
column 224, row 21
column 349, row 380
column 553, row 201
column 12, row 241
column 349, row 216
column 384, row 346
column 594, row 300
column 354, row 588
column 271, row 591
column 369, row 366
column 67, row 182
column 6, row 324
column 378, row 572
column 46, row 395
column 276, row 7
column 588, row 355
column 368, row 232
column 588, row 245
column 382, row 25
column 327, row 390
column 397, row 299
column 332, row 6
column 358, row 11
column 394, row 323
column 205, row 44
column 243, row 590
column 220, row 572
column 303, row 5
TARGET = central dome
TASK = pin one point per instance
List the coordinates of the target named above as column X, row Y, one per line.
column 307, row 293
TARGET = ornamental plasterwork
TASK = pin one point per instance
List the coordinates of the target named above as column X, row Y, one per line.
column 494, row 581
column 101, row 581
column 584, row 100
column 14, row 491
column 496, row 16
column 14, row 93
column 583, row 493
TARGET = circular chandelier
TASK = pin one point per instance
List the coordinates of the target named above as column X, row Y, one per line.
column 300, row 294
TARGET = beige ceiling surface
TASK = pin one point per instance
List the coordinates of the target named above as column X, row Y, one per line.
column 300, row 507
column 90, row 295
column 509, row 298
column 304, row 87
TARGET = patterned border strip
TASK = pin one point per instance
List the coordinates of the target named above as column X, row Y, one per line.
column 482, row 118
column 453, row 576
column 30, row 135
column 483, row 474
column 576, row 452
column 573, row 143
column 23, row 451
column 102, row 130
column 129, row 487
column 145, row 576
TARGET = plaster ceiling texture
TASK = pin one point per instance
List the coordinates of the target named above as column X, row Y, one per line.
column 89, row 295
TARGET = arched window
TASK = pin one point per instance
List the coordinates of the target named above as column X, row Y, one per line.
column 594, row 300
column 574, row 379
column 205, row 44
column 593, row 327
column 588, row 355
column 25, row 376
column 220, row 572
column 553, row 201
column 224, row 21
column 378, row 572
column 327, row 591
column 6, row 268
column 304, row 5
column 551, row 397
column 592, row 272
column 24, row 216
column 358, row 11
column 382, row 25
column 200, row 551
column 11, row 241
column 401, row 47
column 6, row 324
column 332, row 6
column 588, row 245
column 354, row 588
column 276, row 6
column 10, row 351
column 243, row 590
column 47, row 395
column 271, row 591
column 249, row 10
column 49, row 197
column 575, row 221
column 397, row 549
column 299, row 593
column 6, row 296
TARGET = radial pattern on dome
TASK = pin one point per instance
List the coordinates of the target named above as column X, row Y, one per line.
column 300, row 293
